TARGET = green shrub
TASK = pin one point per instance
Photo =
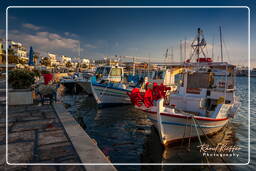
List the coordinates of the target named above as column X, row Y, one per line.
column 37, row 73
column 21, row 78
column 45, row 72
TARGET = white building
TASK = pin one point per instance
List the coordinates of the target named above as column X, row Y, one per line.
column 19, row 50
column 53, row 59
column 80, row 61
column 64, row 59
column 1, row 52
column 85, row 61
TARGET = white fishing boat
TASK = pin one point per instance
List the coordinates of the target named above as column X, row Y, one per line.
column 84, row 80
column 68, row 82
column 252, row 72
column 108, row 86
column 201, row 104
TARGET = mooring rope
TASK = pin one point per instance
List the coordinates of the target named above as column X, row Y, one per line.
column 189, row 140
column 213, row 145
column 184, row 131
column 192, row 116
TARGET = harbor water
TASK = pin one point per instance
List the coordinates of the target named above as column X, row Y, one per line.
column 126, row 135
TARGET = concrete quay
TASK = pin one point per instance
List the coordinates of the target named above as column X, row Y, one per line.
column 46, row 134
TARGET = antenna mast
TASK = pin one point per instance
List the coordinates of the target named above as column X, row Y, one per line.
column 221, row 51
column 79, row 49
column 185, row 50
column 165, row 59
column 180, row 50
column 213, row 48
column 171, row 54
column 198, row 45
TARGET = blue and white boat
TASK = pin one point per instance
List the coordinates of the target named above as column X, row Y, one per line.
column 109, row 86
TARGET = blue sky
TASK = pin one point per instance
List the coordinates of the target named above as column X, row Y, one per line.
column 130, row 32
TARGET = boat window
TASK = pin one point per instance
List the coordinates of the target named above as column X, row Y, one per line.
column 116, row 72
column 106, row 71
column 99, row 70
column 158, row 75
column 199, row 80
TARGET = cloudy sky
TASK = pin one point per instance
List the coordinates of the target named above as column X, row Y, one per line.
column 128, row 31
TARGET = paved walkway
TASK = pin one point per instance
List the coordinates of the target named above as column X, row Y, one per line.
column 36, row 135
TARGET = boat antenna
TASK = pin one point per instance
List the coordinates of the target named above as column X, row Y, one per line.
column 198, row 42
column 180, row 51
column 148, row 64
column 198, row 45
column 221, row 51
column 171, row 54
column 213, row 48
column 133, row 68
column 166, row 56
column 185, row 49
column 79, row 49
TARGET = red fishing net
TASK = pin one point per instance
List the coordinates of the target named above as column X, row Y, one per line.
column 139, row 98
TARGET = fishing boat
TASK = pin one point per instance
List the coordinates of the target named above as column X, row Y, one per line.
column 84, row 80
column 68, row 82
column 197, row 103
column 252, row 72
column 71, row 83
column 108, row 86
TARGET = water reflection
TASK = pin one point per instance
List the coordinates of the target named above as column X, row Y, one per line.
column 127, row 136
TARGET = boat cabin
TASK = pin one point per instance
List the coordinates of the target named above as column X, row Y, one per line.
column 201, row 91
column 109, row 73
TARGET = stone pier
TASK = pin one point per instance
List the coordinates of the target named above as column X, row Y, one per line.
column 37, row 134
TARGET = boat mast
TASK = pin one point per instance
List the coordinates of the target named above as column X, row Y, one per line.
column 171, row 54
column 212, row 48
column 221, row 52
column 180, row 51
column 133, row 68
column 79, row 49
column 198, row 43
column 185, row 50
column 165, row 59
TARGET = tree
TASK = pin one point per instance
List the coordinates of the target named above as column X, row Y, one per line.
column 45, row 61
column 68, row 64
column 84, row 65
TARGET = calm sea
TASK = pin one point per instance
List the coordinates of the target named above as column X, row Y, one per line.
column 127, row 136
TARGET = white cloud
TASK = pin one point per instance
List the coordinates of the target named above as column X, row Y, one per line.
column 46, row 41
column 31, row 26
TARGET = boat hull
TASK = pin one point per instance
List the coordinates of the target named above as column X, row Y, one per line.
column 86, row 85
column 110, row 96
column 176, row 127
column 69, row 85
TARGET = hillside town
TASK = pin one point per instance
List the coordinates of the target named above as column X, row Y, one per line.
column 19, row 56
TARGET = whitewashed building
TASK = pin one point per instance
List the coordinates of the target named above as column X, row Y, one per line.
column 64, row 59
column 53, row 58
column 1, row 52
column 19, row 50
column 76, row 61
